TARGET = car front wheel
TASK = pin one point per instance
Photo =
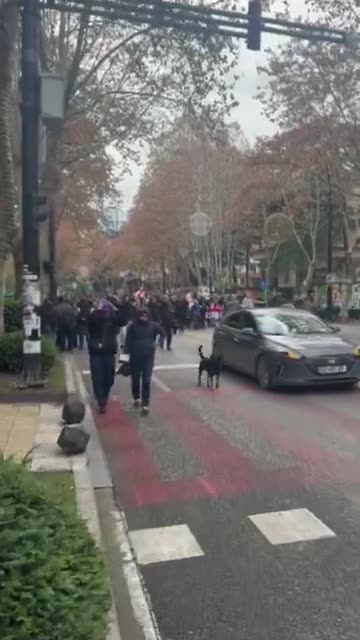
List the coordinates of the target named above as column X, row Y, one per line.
column 263, row 374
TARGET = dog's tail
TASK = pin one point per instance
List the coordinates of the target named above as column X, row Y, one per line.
column 201, row 352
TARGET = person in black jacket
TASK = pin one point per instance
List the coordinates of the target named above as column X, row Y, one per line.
column 140, row 345
column 81, row 322
column 167, row 321
column 102, row 345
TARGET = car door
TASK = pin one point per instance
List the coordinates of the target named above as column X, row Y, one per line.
column 245, row 344
column 226, row 337
column 250, row 343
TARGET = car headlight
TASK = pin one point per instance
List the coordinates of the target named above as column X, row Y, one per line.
column 293, row 355
column 356, row 352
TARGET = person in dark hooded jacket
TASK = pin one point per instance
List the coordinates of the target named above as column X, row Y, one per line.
column 102, row 347
column 140, row 345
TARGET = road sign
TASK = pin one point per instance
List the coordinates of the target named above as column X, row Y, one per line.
column 200, row 224
column 330, row 278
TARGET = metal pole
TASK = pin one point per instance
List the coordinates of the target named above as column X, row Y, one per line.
column 52, row 257
column 28, row 74
column 30, row 142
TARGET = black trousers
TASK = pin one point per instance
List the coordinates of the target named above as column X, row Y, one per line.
column 65, row 338
column 168, row 337
column 141, row 370
column 102, row 368
column 81, row 335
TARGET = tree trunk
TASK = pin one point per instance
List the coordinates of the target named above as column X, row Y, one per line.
column 8, row 30
column 247, row 264
column 309, row 277
column 349, row 268
column 17, row 262
column 2, row 293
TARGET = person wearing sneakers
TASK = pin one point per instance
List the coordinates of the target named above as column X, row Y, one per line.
column 140, row 346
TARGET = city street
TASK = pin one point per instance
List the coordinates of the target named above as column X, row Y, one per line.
column 243, row 506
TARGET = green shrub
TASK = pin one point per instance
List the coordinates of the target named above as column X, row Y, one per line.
column 13, row 315
column 48, row 354
column 52, row 581
column 11, row 346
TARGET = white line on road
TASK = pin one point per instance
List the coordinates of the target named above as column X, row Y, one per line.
column 164, row 544
column 69, row 375
column 160, row 384
column 140, row 599
column 163, row 367
column 292, row 525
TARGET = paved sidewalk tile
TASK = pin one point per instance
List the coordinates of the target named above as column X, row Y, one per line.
column 18, row 426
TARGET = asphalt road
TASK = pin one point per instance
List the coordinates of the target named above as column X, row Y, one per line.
column 243, row 506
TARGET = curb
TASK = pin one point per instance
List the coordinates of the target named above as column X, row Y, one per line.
column 142, row 624
column 87, row 508
column 85, row 497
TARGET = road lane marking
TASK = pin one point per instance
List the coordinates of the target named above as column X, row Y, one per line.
column 163, row 544
column 163, row 367
column 160, row 367
column 140, row 599
column 160, row 384
column 69, row 375
column 293, row 525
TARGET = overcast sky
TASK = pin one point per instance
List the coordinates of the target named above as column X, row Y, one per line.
column 249, row 113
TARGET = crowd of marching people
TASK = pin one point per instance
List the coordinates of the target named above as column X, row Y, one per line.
column 68, row 320
column 130, row 325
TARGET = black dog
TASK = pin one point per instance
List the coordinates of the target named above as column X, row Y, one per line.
column 212, row 366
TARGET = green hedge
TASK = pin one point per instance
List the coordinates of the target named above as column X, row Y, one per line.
column 13, row 315
column 11, row 346
column 52, row 580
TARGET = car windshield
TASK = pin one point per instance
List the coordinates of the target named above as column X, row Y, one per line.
column 283, row 324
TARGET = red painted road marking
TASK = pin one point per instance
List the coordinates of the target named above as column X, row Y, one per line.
column 211, row 449
column 119, row 432
column 229, row 471
column 320, row 462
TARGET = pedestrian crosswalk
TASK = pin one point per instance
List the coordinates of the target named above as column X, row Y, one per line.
column 163, row 544
column 292, row 525
column 177, row 542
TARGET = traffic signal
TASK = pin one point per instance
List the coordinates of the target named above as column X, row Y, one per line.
column 254, row 25
column 41, row 208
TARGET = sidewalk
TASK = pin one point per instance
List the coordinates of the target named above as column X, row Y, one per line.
column 30, row 432
column 18, row 428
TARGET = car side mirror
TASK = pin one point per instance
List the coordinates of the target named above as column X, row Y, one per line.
column 248, row 331
column 335, row 329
